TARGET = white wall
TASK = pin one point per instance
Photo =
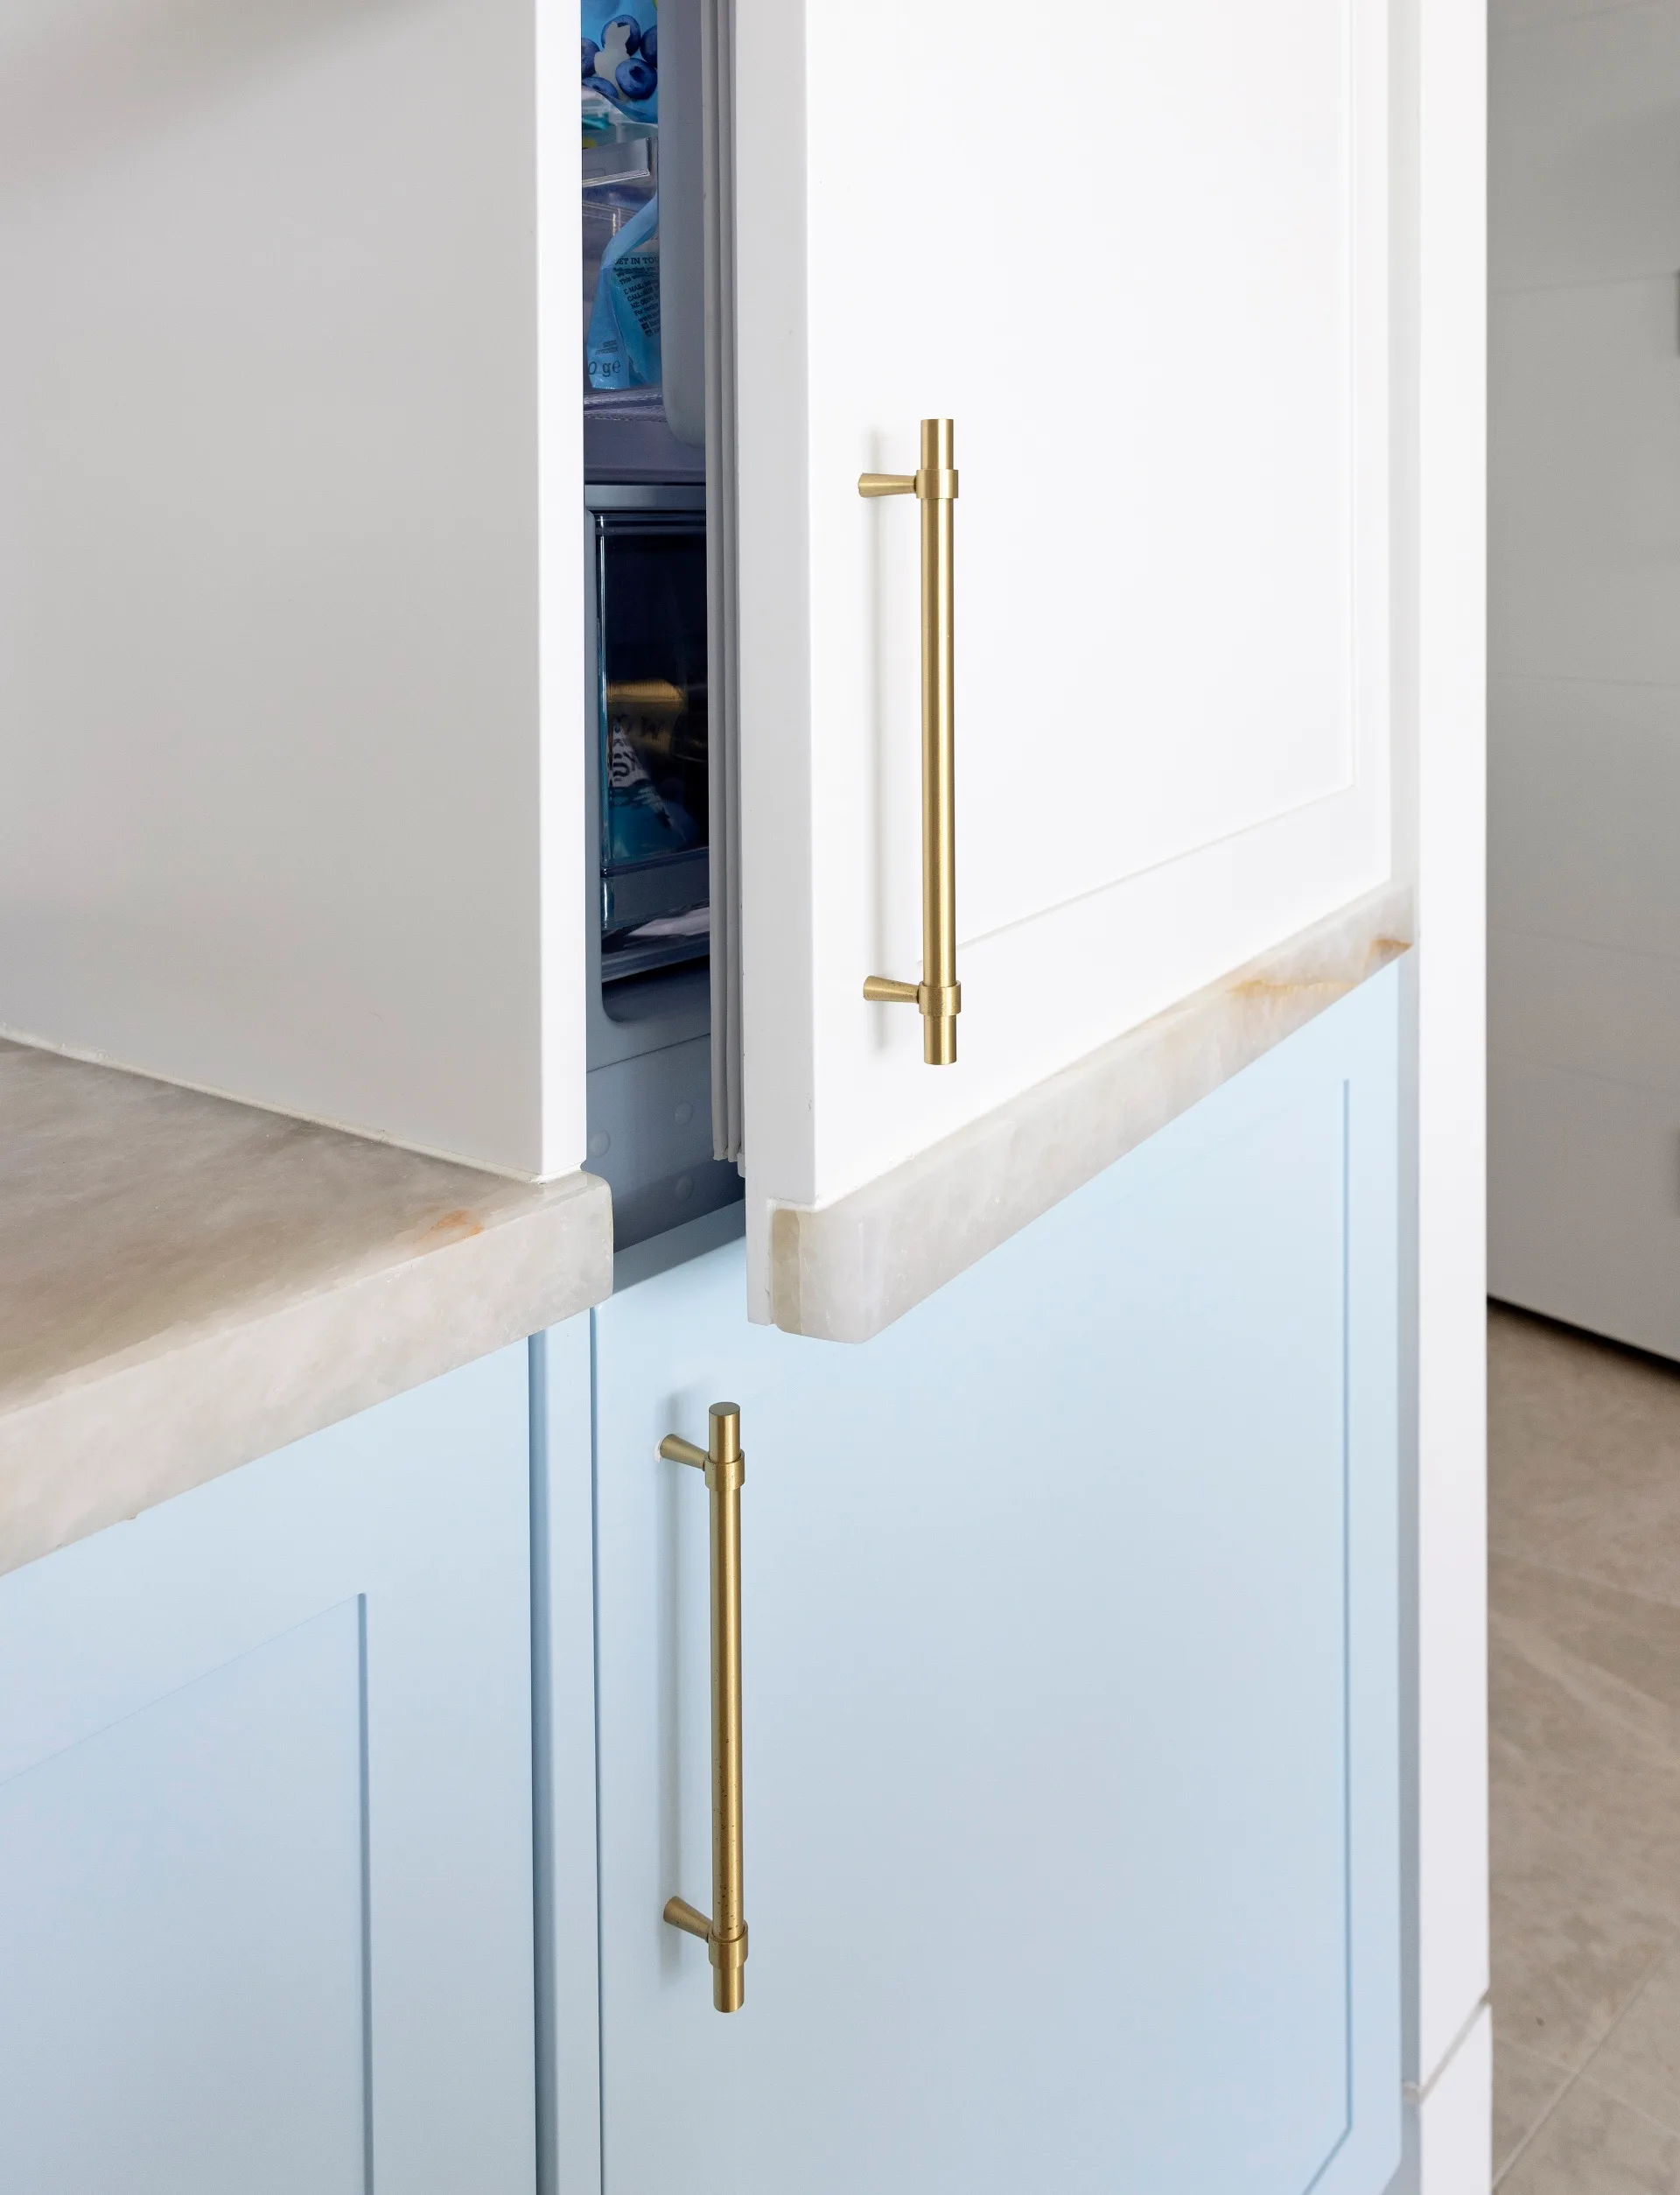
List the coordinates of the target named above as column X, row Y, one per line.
column 1584, row 728
column 289, row 770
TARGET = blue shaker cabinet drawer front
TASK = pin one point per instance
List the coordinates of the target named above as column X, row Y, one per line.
column 265, row 1864
column 1069, row 1692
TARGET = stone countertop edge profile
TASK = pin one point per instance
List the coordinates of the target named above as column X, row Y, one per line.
column 843, row 1271
column 189, row 1284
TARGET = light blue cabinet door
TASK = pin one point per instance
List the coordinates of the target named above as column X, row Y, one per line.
column 1070, row 1692
column 265, row 1852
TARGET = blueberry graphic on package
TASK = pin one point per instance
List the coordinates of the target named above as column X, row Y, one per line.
column 622, row 59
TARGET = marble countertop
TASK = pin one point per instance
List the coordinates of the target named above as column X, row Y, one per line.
column 842, row 1271
column 188, row 1284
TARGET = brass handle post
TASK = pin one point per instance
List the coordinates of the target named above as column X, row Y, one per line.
column 939, row 994
column 725, row 1932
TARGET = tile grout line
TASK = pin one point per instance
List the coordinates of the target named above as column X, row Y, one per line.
column 1572, row 2078
column 1581, row 2072
column 1527, row 2143
column 1603, row 2041
column 1659, row 2126
column 1634, row 1996
column 1583, row 1577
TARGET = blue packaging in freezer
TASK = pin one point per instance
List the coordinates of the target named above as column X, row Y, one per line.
column 622, row 346
column 621, row 58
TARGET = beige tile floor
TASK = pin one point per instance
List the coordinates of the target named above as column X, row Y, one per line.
column 1584, row 1643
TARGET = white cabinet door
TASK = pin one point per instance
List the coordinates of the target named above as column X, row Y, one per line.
column 1142, row 264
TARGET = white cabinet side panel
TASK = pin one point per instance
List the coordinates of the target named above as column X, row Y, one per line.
column 562, row 765
column 1452, row 911
column 1455, row 2132
column 269, row 584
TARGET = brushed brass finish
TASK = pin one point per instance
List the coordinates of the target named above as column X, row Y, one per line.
column 724, row 1932
column 681, row 1915
column 938, row 995
column 945, row 1001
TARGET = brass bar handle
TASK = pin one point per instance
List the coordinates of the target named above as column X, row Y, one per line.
column 725, row 1932
column 939, row 994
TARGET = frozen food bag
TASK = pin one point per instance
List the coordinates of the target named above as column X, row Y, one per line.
column 621, row 57
column 643, row 819
column 622, row 349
